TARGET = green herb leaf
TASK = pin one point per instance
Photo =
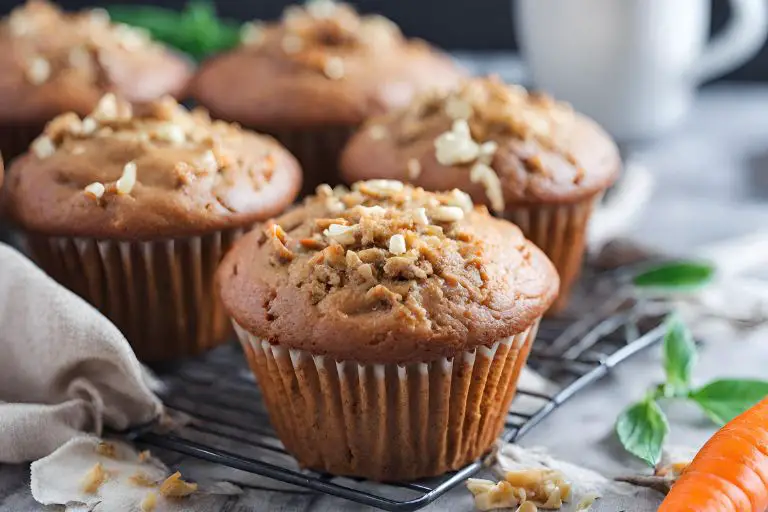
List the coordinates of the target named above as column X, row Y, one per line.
column 196, row 30
column 642, row 429
column 681, row 274
column 723, row 400
column 679, row 355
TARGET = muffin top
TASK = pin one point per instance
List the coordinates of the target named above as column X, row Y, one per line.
column 54, row 62
column 500, row 143
column 322, row 64
column 154, row 170
column 386, row 273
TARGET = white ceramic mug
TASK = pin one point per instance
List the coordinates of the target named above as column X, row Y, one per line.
column 633, row 65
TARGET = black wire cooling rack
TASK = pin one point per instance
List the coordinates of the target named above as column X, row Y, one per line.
column 230, row 425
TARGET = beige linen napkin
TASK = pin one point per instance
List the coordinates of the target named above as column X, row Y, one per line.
column 64, row 368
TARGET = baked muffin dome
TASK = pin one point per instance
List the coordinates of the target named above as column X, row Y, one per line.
column 501, row 144
column 147, row 172
column 312, row 78
column 386, row 273
column 322, row 64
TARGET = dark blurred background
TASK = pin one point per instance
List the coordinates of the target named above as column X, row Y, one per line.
column 452, row 24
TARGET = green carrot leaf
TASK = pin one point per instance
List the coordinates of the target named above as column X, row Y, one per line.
column 679, row 355
column 642, row 428
column 676, row 275
column 723, row 400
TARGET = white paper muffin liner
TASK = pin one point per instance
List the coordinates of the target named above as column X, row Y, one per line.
column 561, row 232
column 387, row 421
column 160, row 294
column 318, row 151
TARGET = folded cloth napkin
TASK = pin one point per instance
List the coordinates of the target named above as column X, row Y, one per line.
column 64, row 368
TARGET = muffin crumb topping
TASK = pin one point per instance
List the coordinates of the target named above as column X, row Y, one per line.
column 127, row 181
column 84, row 43
column 320, row 34
column 383, row 236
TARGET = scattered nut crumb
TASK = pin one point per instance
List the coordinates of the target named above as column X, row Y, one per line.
column 344, row 235
column 104, row 448
column 527, row 506
column 547, row 488
column 141, row 479
column 149, row 502
column 93, row 479
column 456, row 146
column 381, row 188
column 127, row 181
column 586, row 502
column 144, row 456
column 175, row 487
column 491, row 496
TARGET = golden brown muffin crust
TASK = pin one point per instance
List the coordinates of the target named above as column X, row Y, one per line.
column 386, row 273
column 160, row 171
column 499, row 143
column 54, row 62
column 323, row 64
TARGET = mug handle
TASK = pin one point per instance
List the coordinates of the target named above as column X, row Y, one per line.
column 739, row 41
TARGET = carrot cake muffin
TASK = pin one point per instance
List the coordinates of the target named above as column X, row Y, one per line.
column 527, row 157
column 387, row 326
column 317, row 74
column 53, row 62
column 133, row 208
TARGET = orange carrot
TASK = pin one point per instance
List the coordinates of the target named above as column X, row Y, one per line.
column 730, row 473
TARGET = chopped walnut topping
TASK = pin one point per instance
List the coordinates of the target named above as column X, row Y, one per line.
column 108, row 450
column 447, row 214
column 381, row 188
column 414, row 169
column 456, row 146
column 175, row 487
column 382, row 239
column 344, row 235
column 484, row 175
column 110, row 109
column 252, row 33
column 79, row 57
column 43, row 147
column 93, row 479
column 397, row 244
column 527, row 506
column 334, row 68
column 149, row 502
column 38, row 70
column 127, row 181
column 171, row 133
column 95, row 190
column 141, row 479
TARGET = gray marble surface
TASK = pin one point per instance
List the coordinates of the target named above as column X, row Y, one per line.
column 712, row 184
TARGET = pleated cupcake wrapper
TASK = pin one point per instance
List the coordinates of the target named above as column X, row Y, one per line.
column 386, row 421
column 318, row 150
column 15, row 139
column 561, row 232
column 160, row 294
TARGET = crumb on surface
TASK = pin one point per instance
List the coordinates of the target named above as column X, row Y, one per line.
column 106, row 449
column 93, row 479
column 175, row 487
column 149, row 502
column 141, row 479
